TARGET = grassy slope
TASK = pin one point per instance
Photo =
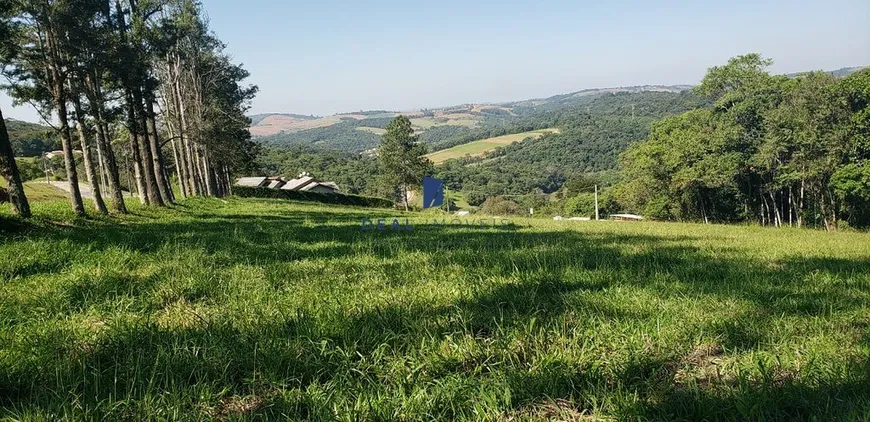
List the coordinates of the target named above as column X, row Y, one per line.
column 483, row 145
column 246, row 308
column 37, row 191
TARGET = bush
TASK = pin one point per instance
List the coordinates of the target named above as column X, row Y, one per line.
column 497, row 205
column 475, row 198
column 325, row 198
column 29, row 170
column 580, row 205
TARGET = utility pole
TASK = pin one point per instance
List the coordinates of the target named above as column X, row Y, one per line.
column 597, row 216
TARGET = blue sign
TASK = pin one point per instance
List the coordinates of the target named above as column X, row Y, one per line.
column 433, row 192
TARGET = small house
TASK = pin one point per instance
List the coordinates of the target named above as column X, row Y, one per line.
column 320, row 187
column 303, row 183
column 306, row 183
column 254, row 182
column 298, row 183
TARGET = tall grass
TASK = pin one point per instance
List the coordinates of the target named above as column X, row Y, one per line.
column 260, row 308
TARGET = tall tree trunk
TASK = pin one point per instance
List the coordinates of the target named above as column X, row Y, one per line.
column 187, row 158
column 777, row 215
column 800, row 208
column 101, row 162
column 206, row 171
column 211, row 174
column 704, row 211
column 139, row 172
column 72, row 177
column 112, row 173
column 57, row 82
column 200, row 182
column 152, row 188
column 104, row 144
column 156, row 152
column 87, row 158
column 229, row 180
column 9, row 170
column 824, row 209
column 179, row 169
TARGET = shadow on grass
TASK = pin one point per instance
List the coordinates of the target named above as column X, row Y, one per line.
column 297, row 351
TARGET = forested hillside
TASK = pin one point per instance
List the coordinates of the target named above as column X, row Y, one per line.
column 590, row 140
column 439, row 128
column 31, row 139
column 593, row 131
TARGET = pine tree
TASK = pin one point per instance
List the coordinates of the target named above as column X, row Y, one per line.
column 402, row 160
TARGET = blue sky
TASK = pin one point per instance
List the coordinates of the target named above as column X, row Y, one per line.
column 323, row 57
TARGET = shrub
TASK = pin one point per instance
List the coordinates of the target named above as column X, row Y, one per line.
column 581, row 205
column 30, row 170
column 475, row 198
column 325, row 198
column 497, row 205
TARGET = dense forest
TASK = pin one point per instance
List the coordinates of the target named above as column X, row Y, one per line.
column 772, row 149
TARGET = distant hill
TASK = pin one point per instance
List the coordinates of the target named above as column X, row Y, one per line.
column 587, row 95
column 31, row 139
column 467, row 115
column 257, row 118
column 445, row 127
column 840, row 73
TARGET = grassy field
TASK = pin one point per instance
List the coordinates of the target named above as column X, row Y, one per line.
column 257, row 308
column 484, row 145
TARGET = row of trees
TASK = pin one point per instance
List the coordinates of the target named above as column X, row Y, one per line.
column 146, row 71
column 775, row 149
